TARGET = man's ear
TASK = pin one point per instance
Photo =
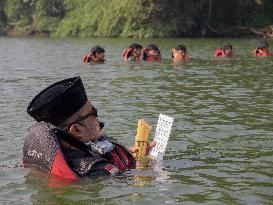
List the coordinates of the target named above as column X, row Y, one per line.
column 75, row 130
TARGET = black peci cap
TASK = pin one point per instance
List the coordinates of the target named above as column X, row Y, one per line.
column 58, row 102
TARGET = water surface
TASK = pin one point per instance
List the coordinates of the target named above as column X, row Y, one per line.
column 220, row 149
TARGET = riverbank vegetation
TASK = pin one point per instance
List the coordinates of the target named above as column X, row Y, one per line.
column 137, row 18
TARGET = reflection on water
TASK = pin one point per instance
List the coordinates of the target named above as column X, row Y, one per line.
column 220, row 150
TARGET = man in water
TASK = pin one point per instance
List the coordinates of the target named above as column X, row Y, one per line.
column 96, row 55
column 151, row 53
column 224, row 51
column 179, row 53
column 67, row 139
column 133, row 53
column 262, row 50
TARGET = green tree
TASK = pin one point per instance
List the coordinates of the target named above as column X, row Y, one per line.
column 47, row 14
column 3, row 17
column 19, row 11
column 136, row 18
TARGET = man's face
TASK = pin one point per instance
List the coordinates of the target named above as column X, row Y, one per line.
column 182, row 52
column 153, row 53
column 179, row 53
column 228, row 52
column 87, row 129
column 99, row 57
column 136, row 52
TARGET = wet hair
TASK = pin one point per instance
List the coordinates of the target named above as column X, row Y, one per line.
column 135, row 46
column 97, row 49
column 226, row 47
column 263, row 45
column 152, row 47
column 181, row 47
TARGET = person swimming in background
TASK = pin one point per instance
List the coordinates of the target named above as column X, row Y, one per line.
column 262, row 50
column 96, row 55
column 224, row 51
column 151, row 53
column 133, row 53
column 179, row 53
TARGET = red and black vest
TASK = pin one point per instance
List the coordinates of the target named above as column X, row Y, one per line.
column 261, row 53
column 127, row 55
column 42, row 150
column 89, row 57
column 219, row 52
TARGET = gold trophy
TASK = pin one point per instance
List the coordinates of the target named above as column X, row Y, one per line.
column 141, row 143
column 141, row 139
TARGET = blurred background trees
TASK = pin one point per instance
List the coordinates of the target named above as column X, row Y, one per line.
column 136, row 18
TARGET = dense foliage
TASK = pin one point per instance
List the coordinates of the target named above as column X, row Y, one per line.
column 133, row 18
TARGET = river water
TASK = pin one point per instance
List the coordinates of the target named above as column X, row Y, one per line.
column 220, row 149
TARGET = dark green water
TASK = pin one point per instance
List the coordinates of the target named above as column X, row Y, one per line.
column 220, row 150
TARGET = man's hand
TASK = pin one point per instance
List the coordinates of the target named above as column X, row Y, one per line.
column 149, row 147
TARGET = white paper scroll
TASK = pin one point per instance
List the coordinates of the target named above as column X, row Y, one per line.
column 162, row 134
